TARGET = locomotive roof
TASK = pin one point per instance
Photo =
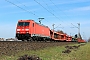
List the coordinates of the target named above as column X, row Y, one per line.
column 41, row 24
column 34, row 21
column 25, row 20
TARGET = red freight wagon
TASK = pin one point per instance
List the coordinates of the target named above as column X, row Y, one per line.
column 58, row 36
column 81, row 40
column 63, row 37
column 69, row 38
column 54, row 35
column 30, row 30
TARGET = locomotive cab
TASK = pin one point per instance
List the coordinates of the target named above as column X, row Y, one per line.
column 23, row 29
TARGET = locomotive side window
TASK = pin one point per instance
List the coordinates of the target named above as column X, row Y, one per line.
column 33, row 24
column 23, row 23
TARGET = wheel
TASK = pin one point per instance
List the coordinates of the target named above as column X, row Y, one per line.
column 30, row 39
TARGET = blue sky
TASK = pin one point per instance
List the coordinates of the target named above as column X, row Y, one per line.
column 58, row 12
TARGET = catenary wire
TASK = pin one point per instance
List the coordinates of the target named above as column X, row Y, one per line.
column 47, row 10
column 20, row 7
column 34, row 11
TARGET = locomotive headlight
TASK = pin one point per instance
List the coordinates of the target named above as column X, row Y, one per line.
column 27, row 32
column 26, row 29
column 18, row 32
column 18, row 29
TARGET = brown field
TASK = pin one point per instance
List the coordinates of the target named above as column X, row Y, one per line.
column 12, row 48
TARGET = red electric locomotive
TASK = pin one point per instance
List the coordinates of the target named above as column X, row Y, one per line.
column 30, row 30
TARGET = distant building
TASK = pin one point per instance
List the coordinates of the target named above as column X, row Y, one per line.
column 2, row 39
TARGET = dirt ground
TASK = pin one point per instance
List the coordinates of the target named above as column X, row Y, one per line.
column 6, row 48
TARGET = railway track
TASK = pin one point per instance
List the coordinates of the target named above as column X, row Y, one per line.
column 7, row 47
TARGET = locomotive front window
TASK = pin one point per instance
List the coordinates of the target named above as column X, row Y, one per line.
column 23, row 23
column 26, row 24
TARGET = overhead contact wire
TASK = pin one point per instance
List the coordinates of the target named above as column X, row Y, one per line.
column 20, row 7
column 47, row 10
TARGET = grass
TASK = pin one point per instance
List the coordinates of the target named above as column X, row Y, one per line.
column 55, row 53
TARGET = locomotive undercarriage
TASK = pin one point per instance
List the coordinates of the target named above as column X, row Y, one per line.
column 27, row 37
column 22, row 36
